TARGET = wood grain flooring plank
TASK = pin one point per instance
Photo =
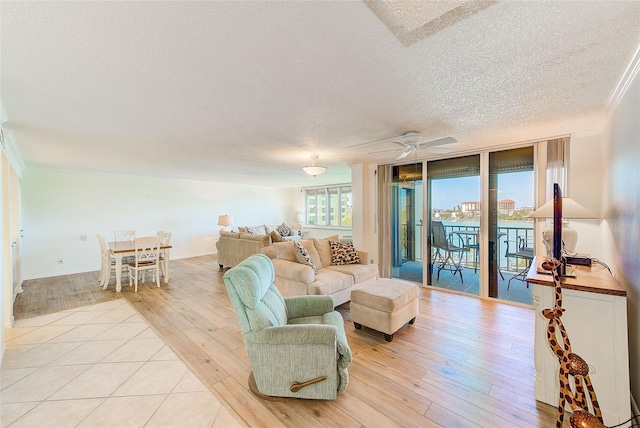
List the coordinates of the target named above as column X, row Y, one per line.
column 465, row 362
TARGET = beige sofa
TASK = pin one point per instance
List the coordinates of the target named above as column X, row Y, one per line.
column 234, row 247
column 295, row 279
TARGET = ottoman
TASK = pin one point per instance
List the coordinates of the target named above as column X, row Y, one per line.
column 384, row 305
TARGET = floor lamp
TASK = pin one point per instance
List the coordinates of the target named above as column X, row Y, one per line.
column 570, row 210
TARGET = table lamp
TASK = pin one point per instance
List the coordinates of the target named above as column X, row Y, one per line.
column 570, row 210
column 297, row 221
column 226, row 221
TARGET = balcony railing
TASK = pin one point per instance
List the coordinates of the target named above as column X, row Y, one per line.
column 509, row 237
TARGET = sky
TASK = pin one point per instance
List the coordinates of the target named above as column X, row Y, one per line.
column 450, row 192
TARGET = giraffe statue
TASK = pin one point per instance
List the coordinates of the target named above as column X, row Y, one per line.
column 571, row 365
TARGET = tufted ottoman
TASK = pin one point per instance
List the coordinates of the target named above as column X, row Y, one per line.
column 384, row 305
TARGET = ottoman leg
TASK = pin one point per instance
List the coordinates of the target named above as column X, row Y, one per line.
column 358, row 326
column 388, row 337
column 412, row 320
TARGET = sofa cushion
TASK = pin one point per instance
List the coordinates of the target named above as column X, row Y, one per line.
column 225, row 234
column 264, row 239
column 284, row 251
column 343, row 253
column 257, row 230
column 275, row 236
column 360, row 273
column 329, row 281
column 324, row 249
column 302, row 256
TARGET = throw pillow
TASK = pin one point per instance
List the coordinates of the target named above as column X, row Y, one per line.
column 343, row 253
column 283, row 230
column 275, row 236
column 324, row 250
column 303, row 257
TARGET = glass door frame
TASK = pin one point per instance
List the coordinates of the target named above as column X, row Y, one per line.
column 483, row 232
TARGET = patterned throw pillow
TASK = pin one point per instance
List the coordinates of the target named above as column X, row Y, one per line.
column 303, row 257
column 343, row 253
column 284, row 230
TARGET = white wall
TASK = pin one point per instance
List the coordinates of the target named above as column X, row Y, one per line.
column 621, row 208
column 59, row 206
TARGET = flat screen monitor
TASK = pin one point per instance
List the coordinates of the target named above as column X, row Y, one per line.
column 557, row 222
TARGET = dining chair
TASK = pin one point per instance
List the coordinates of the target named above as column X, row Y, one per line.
column 165, row 239
column 124, row 235
column 145, row 258
column 108, row 263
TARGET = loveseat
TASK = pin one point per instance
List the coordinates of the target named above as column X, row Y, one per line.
column 234, row 247
column 322, row 276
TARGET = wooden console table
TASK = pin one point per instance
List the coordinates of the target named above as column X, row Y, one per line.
column 596, row 321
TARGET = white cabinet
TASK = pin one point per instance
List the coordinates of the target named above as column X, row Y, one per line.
column 595, row 318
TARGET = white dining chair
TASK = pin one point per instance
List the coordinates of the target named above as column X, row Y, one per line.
column 124, row 235
column 165, row 239
column 146, row 258
column 107, row 264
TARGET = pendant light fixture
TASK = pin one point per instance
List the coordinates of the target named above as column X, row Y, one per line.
column 313, row 169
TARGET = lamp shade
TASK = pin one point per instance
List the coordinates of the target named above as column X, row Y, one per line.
column 298, row 217
column 570, row 209
column 314, row 170
column 225, row 220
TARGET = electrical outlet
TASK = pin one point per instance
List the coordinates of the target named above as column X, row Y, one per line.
column 83, row 237
column 60, row 261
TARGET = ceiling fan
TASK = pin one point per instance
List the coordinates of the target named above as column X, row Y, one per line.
column 413, row 141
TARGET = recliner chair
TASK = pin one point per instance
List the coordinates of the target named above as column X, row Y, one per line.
column 297, row 346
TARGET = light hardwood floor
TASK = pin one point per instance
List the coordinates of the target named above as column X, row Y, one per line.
column 464, row 363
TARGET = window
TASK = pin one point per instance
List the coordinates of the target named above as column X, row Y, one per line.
column 329, row 206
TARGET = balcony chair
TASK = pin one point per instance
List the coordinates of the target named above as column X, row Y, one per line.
column 523, row 252
column 297, row 346
column 441, row 242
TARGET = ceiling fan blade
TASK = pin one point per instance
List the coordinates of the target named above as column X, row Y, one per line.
column 439, row 142
column 437, row 150
column 405, row 153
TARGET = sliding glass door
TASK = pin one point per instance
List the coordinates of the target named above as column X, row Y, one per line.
column 453, row 229
column 510, row 231
column 464, row 228
column 406, row 215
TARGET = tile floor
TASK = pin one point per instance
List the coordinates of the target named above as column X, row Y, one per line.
column 99, row 366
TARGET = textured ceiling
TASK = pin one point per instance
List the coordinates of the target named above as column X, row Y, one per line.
column 247, row 91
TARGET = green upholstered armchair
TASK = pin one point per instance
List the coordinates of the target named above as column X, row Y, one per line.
column 297, row 345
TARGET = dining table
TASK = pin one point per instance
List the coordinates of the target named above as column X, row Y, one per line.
column 122, row 249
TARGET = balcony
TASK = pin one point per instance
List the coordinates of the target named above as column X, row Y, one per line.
column 509, row 267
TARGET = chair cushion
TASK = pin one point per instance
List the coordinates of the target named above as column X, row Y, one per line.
column 252, row 278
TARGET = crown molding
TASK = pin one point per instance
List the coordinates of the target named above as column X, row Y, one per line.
column 623, row 84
